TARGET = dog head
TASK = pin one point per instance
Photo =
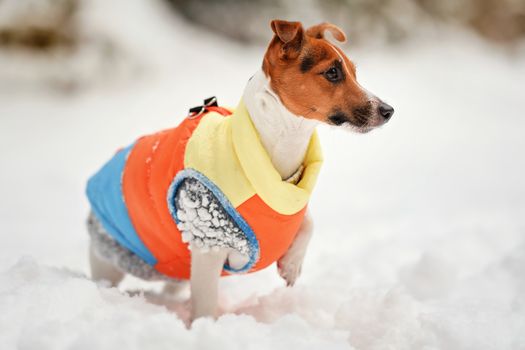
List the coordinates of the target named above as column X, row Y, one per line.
column 314, row 78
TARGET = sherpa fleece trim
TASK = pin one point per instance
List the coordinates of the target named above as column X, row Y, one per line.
column 253, row 244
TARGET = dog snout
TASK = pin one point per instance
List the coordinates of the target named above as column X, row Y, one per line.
column 385, row 110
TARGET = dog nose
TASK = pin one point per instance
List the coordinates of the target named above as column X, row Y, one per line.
column 386, row 110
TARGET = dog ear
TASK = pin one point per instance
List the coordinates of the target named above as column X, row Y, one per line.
column 291, row 35
column 317, row 31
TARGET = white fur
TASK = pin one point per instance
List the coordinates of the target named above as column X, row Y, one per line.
column 206, row 268
column 101, row 270
column 284, row 135
column 290, row 265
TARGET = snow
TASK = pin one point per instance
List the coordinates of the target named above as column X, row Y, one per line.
column 419, row 236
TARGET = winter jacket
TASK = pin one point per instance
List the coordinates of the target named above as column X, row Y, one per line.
column 133, row 195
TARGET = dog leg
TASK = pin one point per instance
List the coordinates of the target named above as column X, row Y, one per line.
column 102, row 270
column 290, row 264
column 206, row 268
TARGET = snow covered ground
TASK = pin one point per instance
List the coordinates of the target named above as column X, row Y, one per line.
column 420, row 226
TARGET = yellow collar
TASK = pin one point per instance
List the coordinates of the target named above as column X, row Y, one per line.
column 283, row 197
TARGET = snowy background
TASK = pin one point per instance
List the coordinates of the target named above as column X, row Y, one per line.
column 420, row 226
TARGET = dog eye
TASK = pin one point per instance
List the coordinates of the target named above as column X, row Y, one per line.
column 333, row 74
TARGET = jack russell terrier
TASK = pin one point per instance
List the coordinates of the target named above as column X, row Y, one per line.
column 226, row 191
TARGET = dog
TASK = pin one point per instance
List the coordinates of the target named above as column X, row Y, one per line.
column 226, row 191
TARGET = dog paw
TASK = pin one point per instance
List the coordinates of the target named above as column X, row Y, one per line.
column 289, row 269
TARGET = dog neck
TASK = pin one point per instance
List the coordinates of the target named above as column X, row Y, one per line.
column 284, row 135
